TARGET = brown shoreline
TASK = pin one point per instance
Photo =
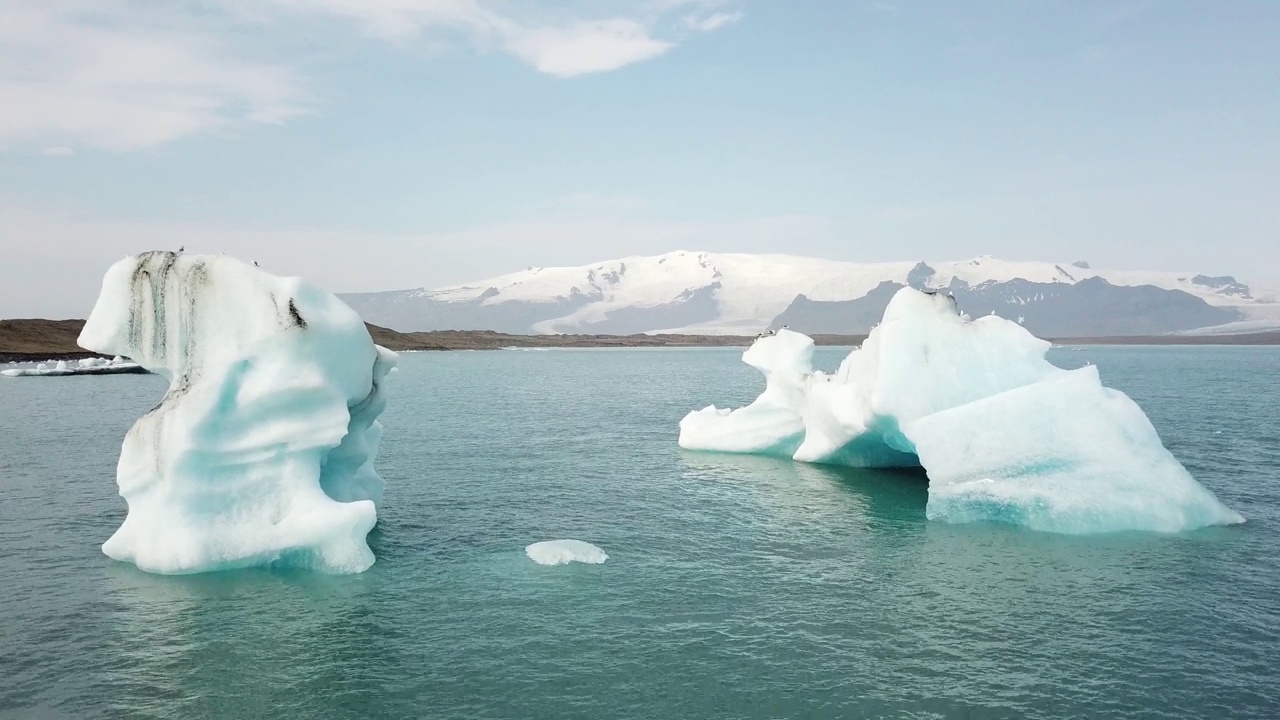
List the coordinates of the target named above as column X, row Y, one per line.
column 37, row 339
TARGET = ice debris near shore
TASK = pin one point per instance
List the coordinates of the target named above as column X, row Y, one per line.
column 261, row 452
column 1003, row 434
column 563, row 552
column 87, row 366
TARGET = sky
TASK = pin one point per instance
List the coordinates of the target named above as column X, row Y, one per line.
column 389, row 144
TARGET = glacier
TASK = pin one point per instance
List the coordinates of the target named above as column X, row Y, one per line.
column 1003, row 434
column 701, row 293
column 261, row 452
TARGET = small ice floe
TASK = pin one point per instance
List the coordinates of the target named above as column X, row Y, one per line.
column 563, row 552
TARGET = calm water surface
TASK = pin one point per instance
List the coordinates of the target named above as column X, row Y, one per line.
column 735, row 587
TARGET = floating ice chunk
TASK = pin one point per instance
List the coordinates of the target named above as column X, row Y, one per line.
column 261, row 452
column 1002, row 433
column 1066, row 455
column 924, row 357
column 124, row 368
column 563, row 552
column 772, row 424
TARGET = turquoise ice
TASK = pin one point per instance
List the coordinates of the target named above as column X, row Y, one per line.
column 261, row 451
column 1003, row 434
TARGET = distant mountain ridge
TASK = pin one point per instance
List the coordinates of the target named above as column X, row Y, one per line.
column 734, row 293
column 1089, row 308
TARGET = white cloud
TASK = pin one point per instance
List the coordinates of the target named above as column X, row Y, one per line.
column 131, row 74
column 600, row 38
column 58, row 151
column 712, row 22
column 586, row 47
column 392, row 20
column 124, row 75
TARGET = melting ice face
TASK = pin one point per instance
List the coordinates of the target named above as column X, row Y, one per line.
column 261, row 452
column 1003, row 434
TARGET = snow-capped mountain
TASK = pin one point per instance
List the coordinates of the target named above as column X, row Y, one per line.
column 731, row 293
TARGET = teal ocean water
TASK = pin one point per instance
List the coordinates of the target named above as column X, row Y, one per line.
column 736, row 587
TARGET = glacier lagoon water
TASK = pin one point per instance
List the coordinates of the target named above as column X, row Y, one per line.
column 735, row 586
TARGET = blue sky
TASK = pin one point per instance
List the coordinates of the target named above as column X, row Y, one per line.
column 383, row 144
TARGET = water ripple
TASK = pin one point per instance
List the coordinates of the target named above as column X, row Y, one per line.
column 736, row 587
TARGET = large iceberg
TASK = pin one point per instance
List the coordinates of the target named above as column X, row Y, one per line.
column 261, row 452
column 1003, row 434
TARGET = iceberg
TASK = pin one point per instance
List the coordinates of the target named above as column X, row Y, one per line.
column 261, row 452
column 563, row 552
column 773, row 424
column 1003, row 434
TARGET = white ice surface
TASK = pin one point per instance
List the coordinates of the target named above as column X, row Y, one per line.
column 1003, row 434
column 563, row 552
column 87, row 366
column 1100, row 468
column 773, row 423
column 261, row 451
